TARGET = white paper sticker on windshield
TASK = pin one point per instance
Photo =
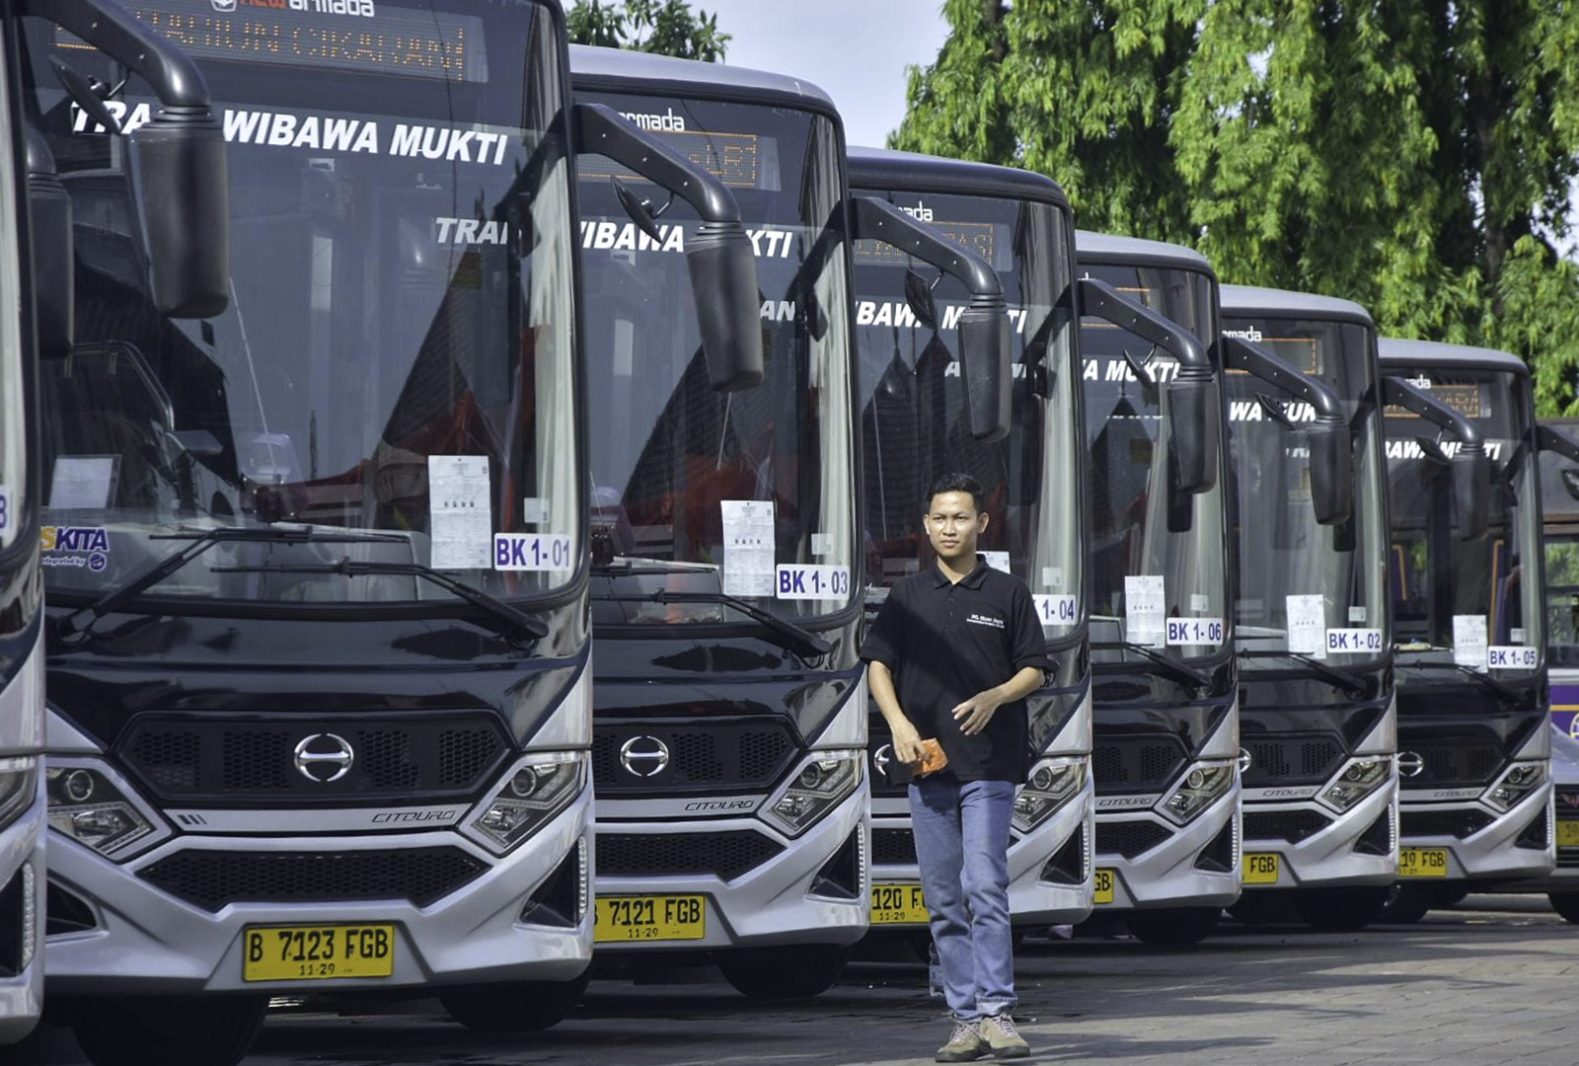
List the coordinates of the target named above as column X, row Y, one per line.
column 748, row 547
column 1053, row 577
column 459, row 516
column 532, row 551
column 1307, row 624
column 1516, row 635
column 83, row 482
column 807, row 581
column 1144, row 609
column 534, row 511
column 1354, row 641
column 1356, row 615
column 1200, row 601
column 1511, row 657
column 1184, row 632
column 1056, row 610
column 821, row 544
column 1469, row 640
column 997, row 560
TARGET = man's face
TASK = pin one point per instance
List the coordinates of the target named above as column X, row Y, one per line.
column 953, row 524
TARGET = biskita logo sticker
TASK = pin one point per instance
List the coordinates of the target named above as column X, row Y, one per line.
column 87, row 546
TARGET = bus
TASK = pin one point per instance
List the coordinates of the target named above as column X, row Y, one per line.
column 914, row 428
column 1559, row 486
column 1165, row 727
column 729, row 712
column 317, row 556
column 1465, row 576
column 1317, row 723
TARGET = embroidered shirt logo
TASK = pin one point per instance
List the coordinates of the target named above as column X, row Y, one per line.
column 985, row 620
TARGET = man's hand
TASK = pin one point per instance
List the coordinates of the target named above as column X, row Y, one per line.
column 974, row 714
column 907, row 743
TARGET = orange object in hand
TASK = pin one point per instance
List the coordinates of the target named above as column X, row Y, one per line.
column 933, row 759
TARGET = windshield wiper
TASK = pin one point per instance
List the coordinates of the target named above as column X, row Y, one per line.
column 81, row 621
column 1178, row 669
column 1486, row 680
column 514, row 617
column 1354, row 686
column 799, row 636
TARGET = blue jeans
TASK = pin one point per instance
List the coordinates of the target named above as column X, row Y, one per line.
column 962, row 845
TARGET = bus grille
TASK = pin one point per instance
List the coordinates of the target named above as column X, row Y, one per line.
column 723, row 756
column 893, row 847
column 213, row 879
column 1130, row 838
column 1290, row 826
column 726, row 855
column 1292, row 760
column 228, row 760
column 1460, row 824
column 1137, row 764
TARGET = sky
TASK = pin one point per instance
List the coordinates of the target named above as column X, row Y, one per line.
column 855, row 50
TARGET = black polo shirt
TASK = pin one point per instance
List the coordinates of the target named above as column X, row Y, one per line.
column 946, row 642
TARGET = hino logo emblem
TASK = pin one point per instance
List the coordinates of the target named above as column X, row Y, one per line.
column 324, row 757
column 882, row 757
column 644, row 756
column 1244, row 761
column 1410, row 764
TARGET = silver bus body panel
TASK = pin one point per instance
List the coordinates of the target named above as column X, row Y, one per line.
column 22, row 847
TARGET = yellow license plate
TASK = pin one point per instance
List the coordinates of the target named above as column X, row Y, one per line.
column 1567, row 833
column 316, row 952
column 1261, row 868
column 637, row 919
column 1102, row 883
column 1422, row 862
column 898, row 904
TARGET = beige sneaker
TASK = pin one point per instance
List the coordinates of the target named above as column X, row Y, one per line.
column 965, row 1045
column 1002, row 1038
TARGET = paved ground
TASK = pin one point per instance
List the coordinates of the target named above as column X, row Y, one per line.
column 1489, row 985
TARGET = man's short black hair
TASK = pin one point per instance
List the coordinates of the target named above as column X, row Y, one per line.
column 955, row 483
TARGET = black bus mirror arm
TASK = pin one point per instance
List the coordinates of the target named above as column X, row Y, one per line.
column 1331, row 452
column 722, row 262
column 985, row 340
column 1194, row 407
column 177, row 158
column 1548, row 439
column 1471, row 466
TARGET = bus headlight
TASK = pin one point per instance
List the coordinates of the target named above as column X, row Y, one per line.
column 530, row 797
column 1355, row 781
column 88, row 807
column 1203, row 784
column 814, row 788
column 18, row 780
column 1052, row 783
column 1521, row 779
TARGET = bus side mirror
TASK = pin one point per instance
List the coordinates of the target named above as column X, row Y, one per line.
column 1471, row 471
column 1196, row 420
column 49, row 225
column 182, row 185
column 1331, row 471
column 985, row 348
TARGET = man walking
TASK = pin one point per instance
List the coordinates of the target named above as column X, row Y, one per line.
column 953, row 654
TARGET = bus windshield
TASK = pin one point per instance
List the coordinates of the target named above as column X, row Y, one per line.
column 1454, row 599
column 1157, row 554
column 398, row 354
column 1303, row 587
column 914, row 423
column 710, row 493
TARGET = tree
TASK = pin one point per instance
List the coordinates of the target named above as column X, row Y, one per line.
column 666, row 27
column 1413, row 155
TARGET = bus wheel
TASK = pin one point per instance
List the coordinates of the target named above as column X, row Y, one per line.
column 1565, row 904
column 794, row 972
column 212, row 1030
column 1173, row 926
column 1341, row 910
column 514, row 1007
column 1409, row 903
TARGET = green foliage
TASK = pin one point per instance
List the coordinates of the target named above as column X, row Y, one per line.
column 666, row 27
column 1413, row 155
